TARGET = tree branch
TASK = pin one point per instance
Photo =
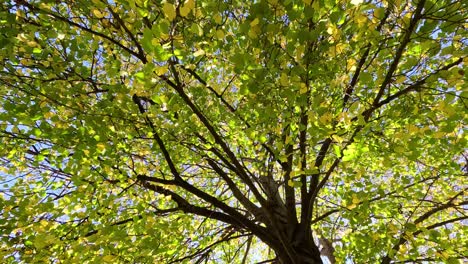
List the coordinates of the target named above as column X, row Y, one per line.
column 85, row 29
column 425, row 216
column 406, row 39
column 218, row 139
column 362, row 61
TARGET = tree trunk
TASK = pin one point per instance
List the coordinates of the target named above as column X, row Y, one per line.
column 298, row 250
column 292, row 241
column 303, row 254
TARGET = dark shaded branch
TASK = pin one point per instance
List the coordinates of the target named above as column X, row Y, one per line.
column 367, row 113
column 380, row 197
column 163, row 148
column 125, row 221
column 251, row 207
column 318, row 162
column 137, row 55
column 406, row 39
column 303, row 152
column 141, row 53
column 218, row 139
column 231, row 109
column 415, row 86
column 185, row 185
column 287, row 167
column 441, row 224
column 246, row 253
column 156, row 180
column 202, row 81
column 186, row 207
column 362, row 61
column 434, row 210
column 425, row 216
column 226, row 238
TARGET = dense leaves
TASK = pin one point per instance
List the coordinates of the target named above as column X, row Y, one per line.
column 233, row 131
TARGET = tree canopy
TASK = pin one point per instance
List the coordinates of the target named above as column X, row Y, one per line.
column 225, row 131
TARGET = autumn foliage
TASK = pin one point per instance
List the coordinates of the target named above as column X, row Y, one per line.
column 295, row 131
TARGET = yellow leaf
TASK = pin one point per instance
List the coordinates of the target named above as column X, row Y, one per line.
column 169, row 11
column 185, row 10
column 284, row 79
column 155, row 42
column 43, row 104
column 299, row 52
column 399, row 149
column 198, row 53
column 407, row 19
column 316, row 5
column 361, row 19
column 403, row 249
column 198, row 13
column 217, row 18
column 98, row 13
column 465, row 60
column 254, row 22
column 393, row 229
column 253, row 32
column 190, row 4
column 356, row 199
column 401, row 79
column 44, row 6
column 442, row 254
column 413, row 129
column 43, row 223
column 439, row 134
column 160, row 70
column 356, row 2
column 290, row 183
column 220, row 34
column 283, row 158
column 303, row 88
column 351, row 63
column 337, row 138
column 197, row 29
column 86, row 152
column 379, row 13
column 326, row 118
column 101, row 146
column 108, row 258
column 273, row 2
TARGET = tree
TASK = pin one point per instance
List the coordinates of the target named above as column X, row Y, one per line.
column 233, row 131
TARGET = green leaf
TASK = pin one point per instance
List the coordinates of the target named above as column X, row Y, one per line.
column 37, row 132
column 146, row 131
column 147, row 39
column 140, row 76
